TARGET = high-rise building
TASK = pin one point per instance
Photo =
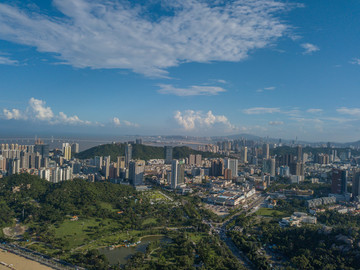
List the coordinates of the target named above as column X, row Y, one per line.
column 195, row 160
column 66, row 149
column 177, row 173
column 41, row 148
column 198, row 160
column 24, row 160
column 168, row 154
column 356, row 184
column 339, row 181
column 232, row 164
column 297, row 168
column 128, row 154
column 106, row 167
column 284, row 171
column 139, row 141
column 217, row 168
column 75, row 148
column 121, row 162
column 348, row 154
column 14, row 166
column 2, row 163
column 38, row 161
column 136, row 172
column 269, row 166
column 174, row 173
column 244, row 155
column 181, row 173
column 191, row 159
column 98, row 162
column 266, row 151
column 299, row 153
column 322, row 158
column 227, row 174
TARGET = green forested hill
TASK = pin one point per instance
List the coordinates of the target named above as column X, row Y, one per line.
column 140, row 151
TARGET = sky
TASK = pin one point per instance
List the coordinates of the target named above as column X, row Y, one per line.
column 283, row 69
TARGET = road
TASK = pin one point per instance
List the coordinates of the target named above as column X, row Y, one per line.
column 220, row 229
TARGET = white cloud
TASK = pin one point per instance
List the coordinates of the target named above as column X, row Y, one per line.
column 191, row 91
column 62, row 118
column 349, row 111
column 340, row 120
column 308, row 120
column 309, row 48
column 276, row 123
column 314, row 110
column 106, row 34
column 38, row 111
column 12, row 114
column 261, row 110
column 355, row 61
column 130, row 124
column 116, row 121
column 7, row 61
column 190, row 120
column 221, row 81
column 270, row 88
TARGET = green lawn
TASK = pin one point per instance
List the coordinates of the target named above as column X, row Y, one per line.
column 81, row 231
column 76, row 232
column 268, row 212
column 149, row 221
column 156, row 195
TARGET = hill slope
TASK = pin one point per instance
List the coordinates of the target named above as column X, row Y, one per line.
column 140, row 151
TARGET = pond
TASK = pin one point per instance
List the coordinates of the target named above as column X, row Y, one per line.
column 122, row 254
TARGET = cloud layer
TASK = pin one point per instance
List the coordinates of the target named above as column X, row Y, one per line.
column 191, row 91
column 309, row 48
column 37, row 110
column 121, row 34
column 117, row 123
column 8, row 61
column 261, row 110
column 349, row 111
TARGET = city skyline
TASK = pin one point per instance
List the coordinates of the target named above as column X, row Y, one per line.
column 269, row 68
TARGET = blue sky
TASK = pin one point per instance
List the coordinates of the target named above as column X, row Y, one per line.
column 282, row 69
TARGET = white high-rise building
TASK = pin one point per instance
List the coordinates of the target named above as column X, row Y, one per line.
column 136, row 172
column 232, row 164
column 244, row 155
column 98, row 162
column 66, row 149
column 174, row 173
column 177, row 173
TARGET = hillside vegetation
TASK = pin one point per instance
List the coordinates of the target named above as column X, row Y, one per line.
column 140, row 151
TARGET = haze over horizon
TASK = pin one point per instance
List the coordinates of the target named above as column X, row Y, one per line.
column 282, row 69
